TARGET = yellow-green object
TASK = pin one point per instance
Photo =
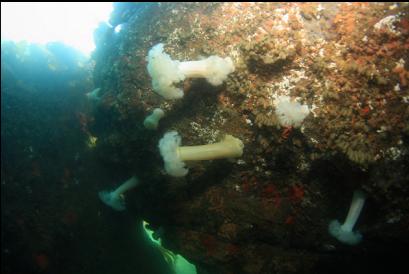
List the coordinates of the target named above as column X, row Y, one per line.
column 92, row 141
column 179, row 263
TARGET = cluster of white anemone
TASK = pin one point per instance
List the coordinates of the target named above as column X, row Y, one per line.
column 166, row 74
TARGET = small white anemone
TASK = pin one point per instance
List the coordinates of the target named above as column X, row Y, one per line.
column 290, row 113
column 152, row 121
column 344, row 232
column 114, row 198
column 94, row 95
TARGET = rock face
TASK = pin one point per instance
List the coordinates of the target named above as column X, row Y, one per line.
column 269, row 211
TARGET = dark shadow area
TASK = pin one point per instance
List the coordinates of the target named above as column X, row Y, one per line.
column 51, row 218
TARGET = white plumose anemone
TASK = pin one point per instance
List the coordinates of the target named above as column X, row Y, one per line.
column 166, row 73
column 344, row 232
column 168, row 147
column 152, row 121
column 290, row 113
column 114, row 198
column 174, row 155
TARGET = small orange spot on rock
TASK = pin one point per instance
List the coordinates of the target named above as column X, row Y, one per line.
column 365, row 111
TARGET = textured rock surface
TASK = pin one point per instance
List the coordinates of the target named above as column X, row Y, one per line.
column 269, row 211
